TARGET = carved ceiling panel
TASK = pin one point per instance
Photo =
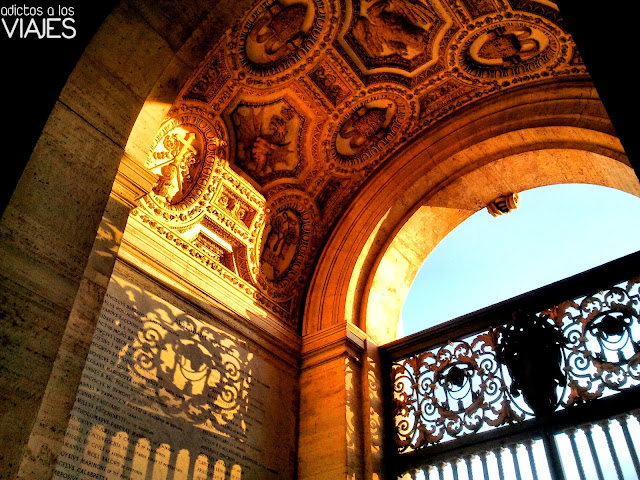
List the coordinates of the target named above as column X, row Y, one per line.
column 302, row 100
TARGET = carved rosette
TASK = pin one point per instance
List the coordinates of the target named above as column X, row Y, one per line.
column 278, row 35
column 287, row 244
column 369, row 129
column 508, row 47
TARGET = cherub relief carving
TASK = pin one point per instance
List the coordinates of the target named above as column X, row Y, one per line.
column 394, row 27
column 282, row 235
column 266, row 138
column 176, row 160
column 365, row 127
column 276, row 33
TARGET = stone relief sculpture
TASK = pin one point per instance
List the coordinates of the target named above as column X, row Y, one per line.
column 177, row 161
column 281, row 236
column 509, row 45
column 313, row 96
column 394, row 27
column 511, row 48
column 365, row 127
column 266, row 138
column 279, row 31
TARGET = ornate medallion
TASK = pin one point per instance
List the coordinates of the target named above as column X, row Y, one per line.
column 279, row 34
column 183, row 156
column 508, row 48
column 286, row 244
column 367, row 130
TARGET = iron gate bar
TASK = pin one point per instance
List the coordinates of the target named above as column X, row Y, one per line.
column 627, row 438
column 600, row 278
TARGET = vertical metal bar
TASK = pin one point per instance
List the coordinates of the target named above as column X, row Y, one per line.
column 571, row 433
column 467, row 460
column 529, row 446
column 454, row 468
column 440, row 468
column 592, row 448
column 485, row 470
column 616, row 462
column 553, row 456
column 632, row 449
column 500, row 467
column 516, row 464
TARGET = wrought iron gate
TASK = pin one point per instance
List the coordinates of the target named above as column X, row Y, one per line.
column 543, row 386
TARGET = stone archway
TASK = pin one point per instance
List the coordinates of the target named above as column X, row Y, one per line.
column 61, row 231
column 478, row 148
column 447, row 208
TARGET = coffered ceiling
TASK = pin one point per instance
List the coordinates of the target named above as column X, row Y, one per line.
column 302, row 100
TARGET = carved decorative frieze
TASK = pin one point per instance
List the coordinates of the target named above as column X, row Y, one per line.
column 329, row 83
column 209, row 80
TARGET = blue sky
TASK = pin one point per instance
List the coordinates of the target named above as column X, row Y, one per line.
column 558, row 231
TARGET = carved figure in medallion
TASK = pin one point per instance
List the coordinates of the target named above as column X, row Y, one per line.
column 508, row 45
column 177, row 162
column 395, row 27
column 281, row 241
column 279, row 31
column 265, row 138
column 365, row 127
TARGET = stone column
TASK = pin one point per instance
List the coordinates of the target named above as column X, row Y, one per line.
column 340, row 420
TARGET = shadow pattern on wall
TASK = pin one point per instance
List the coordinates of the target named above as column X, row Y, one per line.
column 163, row 396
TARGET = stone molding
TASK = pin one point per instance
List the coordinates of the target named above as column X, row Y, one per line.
column 344, row 339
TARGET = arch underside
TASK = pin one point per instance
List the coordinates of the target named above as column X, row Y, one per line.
column 512, row 144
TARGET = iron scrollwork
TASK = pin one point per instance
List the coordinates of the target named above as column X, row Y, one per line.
column 537, row 363
column 450, row 391
column 603, row 342
column 530, row 346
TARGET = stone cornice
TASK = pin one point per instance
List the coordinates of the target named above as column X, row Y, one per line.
column 344, row 339
column 132, row 182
